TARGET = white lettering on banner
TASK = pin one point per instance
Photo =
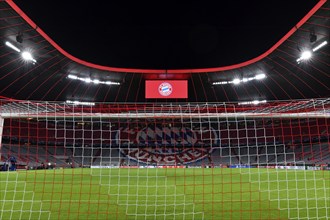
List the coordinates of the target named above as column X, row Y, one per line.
column 195, row 153
column 167, row 135
column 167, row 156
column 157, row 158
column 185, row 156
column 169, row 159
column 140, row 156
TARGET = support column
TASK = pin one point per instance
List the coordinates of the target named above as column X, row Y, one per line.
column 1, row 132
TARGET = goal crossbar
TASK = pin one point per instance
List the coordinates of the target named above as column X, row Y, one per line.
column 319, row 108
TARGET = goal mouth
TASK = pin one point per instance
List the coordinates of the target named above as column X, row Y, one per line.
column 161, row 160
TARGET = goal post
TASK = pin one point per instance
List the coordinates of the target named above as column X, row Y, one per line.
column 165, row 160
column 1, row 131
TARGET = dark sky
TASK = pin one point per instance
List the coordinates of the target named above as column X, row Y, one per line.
column 165, row 35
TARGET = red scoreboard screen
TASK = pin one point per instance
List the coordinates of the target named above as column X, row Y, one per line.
column 166, row 89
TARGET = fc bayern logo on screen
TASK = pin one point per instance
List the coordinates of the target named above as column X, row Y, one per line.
column 165, row 89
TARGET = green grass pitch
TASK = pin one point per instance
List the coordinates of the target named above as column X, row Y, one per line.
column 193, row 193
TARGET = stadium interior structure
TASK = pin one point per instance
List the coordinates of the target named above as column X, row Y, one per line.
column 71, row 123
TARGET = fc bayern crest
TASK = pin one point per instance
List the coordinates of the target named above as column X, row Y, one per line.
column 165, row 89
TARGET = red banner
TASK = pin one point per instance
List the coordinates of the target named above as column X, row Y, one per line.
column 166, row 89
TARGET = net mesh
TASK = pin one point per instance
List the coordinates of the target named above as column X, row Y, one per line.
column 165, row 161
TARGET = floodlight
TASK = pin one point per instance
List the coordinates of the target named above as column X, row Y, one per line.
column 96, row 81
column 305, row 56
column 28, row 56
column 236, row 81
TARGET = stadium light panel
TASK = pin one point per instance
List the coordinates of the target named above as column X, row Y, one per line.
column 80, row 103
column 95, row 81
column 254, row 102
column 320, row 46
column 110, row 83
column 72, row 76
column 12, row 46
column 220, row 83
column 260, row 76
column 237, row 81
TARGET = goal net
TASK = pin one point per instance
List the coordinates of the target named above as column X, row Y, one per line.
column 165, row 161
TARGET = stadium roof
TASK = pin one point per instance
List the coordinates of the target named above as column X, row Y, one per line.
column 53, row 74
